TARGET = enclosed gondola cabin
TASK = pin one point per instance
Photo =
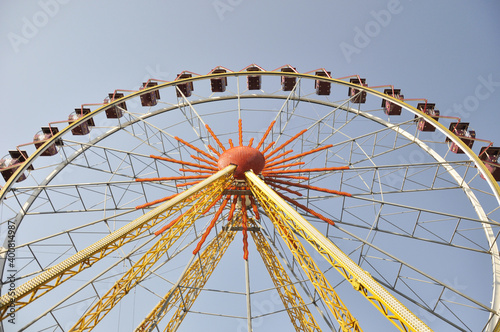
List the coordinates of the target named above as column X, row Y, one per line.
column 184, row 89
column 322, row 88
column 288, row 82
column 218, row 84
column 461, row 129
column 357, row 96
column 149, row 98
column 115, row 112
column 490, row 157
column 427, row 108
column 44, row 135
column 254, row 82
column 85, row 127
column 391, row 108
column 10, row 163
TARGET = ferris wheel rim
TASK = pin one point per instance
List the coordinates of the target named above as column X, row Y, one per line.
column 468, row 151
column 396, row 101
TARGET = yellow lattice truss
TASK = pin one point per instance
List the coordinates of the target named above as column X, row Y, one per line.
column 299, row 313
column 184, row 296
column 279, row 216
column 287, row 221
column 61, row 272
column 205, row 198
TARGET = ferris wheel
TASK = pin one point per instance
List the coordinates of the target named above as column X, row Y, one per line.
column 252, row 200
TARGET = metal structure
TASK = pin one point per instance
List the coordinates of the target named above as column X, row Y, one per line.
column 252, row 200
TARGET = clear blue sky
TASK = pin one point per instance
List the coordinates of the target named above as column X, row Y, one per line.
column 56, row 55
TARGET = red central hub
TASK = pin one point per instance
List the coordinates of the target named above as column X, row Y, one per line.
column 245, row 157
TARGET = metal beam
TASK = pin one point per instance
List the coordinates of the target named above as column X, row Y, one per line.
column 205, row 196
column 299, row 313
column 279, row 212
column 61, row 272
column 285, row 217
column 193, row 282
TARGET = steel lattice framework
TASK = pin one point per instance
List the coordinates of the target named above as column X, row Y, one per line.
column 321, row 182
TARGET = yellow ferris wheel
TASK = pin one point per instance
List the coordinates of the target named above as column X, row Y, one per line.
column 252, row 200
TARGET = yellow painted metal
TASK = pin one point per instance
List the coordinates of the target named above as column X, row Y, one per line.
column 61, row 272
column 193, row 281
column 478, row 162
column 205, row 196
column 299, row 313
column 287, row 219
column 280, row 218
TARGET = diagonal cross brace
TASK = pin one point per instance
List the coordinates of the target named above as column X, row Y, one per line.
column 385, row 302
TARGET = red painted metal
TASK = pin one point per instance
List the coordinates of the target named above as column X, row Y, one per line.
column 42, row 137
column 357, row 96
column 246, row 158
column 299, row 155
column 210, row 226
column 286, row 143
column 215, row 138
column 173, row 178
column 203, row 160
column 305, row 186
column 461, row 129
column 233, row 208
column 240, row 132
column 389, row 107
column 244, row 227
column 490, row 155
column 306, row 170
column 211, row 148
column 187, row 163
column 277, row 157
column 196, row 149
column 285, row 166
column 265, row 134
column 254, row 208
column 314, row 213
column 155, row 202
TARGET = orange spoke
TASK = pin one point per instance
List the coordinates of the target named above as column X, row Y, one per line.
column 290, row 177
column 170, row 224
column 155, row 202
column 300, row 155
column 304, row 170
column 173, row 178
column 244, row 228
column 215, row 138
column 185, row 184
column 265, row 134
column 268, row 147
column 211, row 226
column 278, row 156
column 164, row 228
column 203, row 160
column 232, row 209
column 284, row 166
column 254, row 207
column 213, row 150
column 240, row 132
column 305, row 186
column 195, row 170
column 231, row 143
column 314, row 213
column 286, row 143
column 184, row 163
column 274, row 185
column 251, row 142
column 195, row 148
